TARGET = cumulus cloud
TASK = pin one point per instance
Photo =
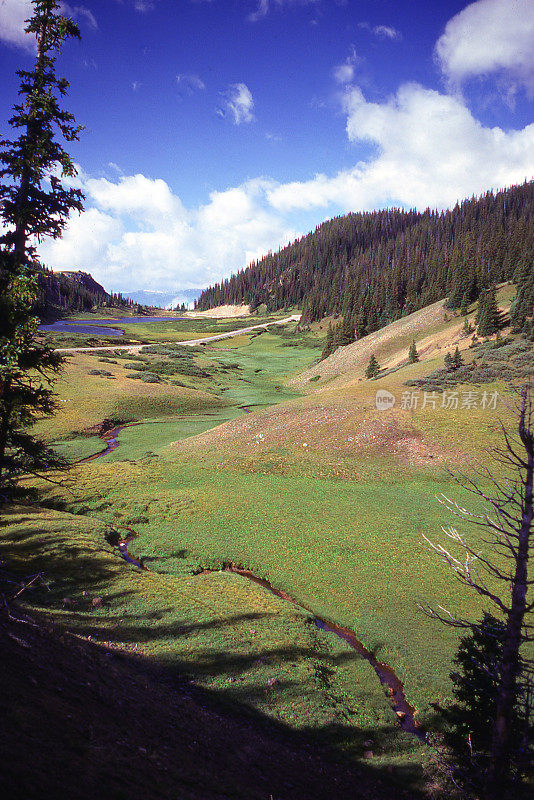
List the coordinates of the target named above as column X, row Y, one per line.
column 237, row 103
column 490, row 36
column 430, row 151
column 14, row 13
column 137, row 234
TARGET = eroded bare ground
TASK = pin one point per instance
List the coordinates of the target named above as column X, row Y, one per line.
column 341, row 429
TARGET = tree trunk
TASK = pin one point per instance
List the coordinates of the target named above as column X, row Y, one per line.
column 499, row 771
column 5, row 419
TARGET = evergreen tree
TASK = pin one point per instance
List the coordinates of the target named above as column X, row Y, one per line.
column 373, row 367
column 448, row 361
column 467, row 329
column 524, row 301
column 329, row 344
column 481, row 308
column 457, row 360
column 469, row 720
column 413, row 355
column 464, row 310
column 503, row 695
column 488, row 317
column 35, row 204
column 346, row 332
column 377, row 267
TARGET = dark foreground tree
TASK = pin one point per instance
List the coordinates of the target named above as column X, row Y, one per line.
column 499, row 574
column 468, row 731
column 34, row 203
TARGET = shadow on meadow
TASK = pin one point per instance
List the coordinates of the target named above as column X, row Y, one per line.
column 255, row 680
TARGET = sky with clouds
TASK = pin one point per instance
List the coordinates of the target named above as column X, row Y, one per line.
column 217, row 130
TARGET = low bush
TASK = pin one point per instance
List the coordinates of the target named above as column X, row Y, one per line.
column 504, row 359
column 138, row 365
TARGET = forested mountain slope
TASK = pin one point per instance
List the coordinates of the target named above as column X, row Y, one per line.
column 374, row 267
column 64, row 292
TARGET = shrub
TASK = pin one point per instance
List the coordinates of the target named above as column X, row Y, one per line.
column 138, row 365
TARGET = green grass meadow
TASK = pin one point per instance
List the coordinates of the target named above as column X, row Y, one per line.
column 320, row 494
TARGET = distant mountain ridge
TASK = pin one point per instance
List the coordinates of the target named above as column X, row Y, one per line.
column 161, row 299
column 66, row 291
column 85, row 279
column 375, row 267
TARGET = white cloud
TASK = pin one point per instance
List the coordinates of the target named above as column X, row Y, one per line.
column 137, row 234
column 189, row 83
column 344, row 73
column 80, row 13
column 143, row 5
column 14, row 13
column 84, row 242
column 261, row 11
column 382, row 31
column 490, row 36
column 238, row 102
column 430, row 151
column 150, row 201
column 386, row 32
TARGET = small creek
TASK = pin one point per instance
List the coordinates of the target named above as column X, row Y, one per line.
column 395, row 689
column 109, row 436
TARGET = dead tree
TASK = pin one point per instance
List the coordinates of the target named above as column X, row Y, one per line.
column 498, row 572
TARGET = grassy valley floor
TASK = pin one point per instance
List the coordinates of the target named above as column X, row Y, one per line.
column 322, row 494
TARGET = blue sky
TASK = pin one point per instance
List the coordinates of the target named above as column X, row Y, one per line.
column 219, row 129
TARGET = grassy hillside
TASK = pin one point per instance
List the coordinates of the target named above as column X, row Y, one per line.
column 320, row 493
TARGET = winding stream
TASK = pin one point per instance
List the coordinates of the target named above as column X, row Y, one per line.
column 109, row 436
column 394, row 687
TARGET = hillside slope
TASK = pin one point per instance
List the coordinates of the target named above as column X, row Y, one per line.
column 375, row 267
column 434, row 329
column 81, row 722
